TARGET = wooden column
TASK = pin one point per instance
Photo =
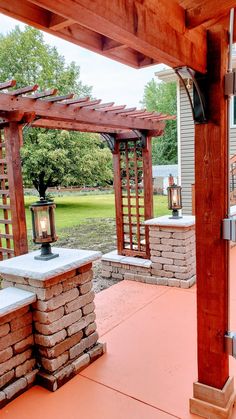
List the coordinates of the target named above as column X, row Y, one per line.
column 211, row 168
column 148, row 188
column 13, row 139
column 118, row 199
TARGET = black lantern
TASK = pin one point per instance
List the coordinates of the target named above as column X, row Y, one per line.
column 174, row 200
column 44, row 227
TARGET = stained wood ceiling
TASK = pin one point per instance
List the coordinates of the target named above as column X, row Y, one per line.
column 138, row 33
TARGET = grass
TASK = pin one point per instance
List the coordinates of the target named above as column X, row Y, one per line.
column 74, row 210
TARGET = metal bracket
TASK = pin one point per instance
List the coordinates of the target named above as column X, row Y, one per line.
column 230, row 343
column 110, row 139
column 229, row 229
column 198, row 102
column 143, row 137
column 230, row 83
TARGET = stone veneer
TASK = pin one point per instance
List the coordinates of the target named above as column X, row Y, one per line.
column 65, row 336
column 172, row 246
column 17, row 361
column 173, row 259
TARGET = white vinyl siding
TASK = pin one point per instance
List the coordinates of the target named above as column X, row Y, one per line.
column 186, row 150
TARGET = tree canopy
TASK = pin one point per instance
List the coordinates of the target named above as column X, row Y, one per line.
column 161, row 97
column 52, row 157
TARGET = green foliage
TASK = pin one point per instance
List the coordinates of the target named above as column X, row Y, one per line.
column 61, row 158
column 161, row 97
column 26, row 57
column 52, row 158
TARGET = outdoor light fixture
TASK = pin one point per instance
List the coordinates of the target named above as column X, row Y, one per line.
column 174, row 200
column 44, row 227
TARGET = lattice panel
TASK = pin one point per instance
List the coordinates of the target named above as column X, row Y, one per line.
column 6, row 235
column 132, row 197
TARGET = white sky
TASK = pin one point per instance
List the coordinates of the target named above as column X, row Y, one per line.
column 111, row 80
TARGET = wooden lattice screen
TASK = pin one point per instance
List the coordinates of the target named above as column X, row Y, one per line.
column 6, row 236
column 133, row 193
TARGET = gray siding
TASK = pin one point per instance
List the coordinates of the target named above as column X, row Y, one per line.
column 187, row 149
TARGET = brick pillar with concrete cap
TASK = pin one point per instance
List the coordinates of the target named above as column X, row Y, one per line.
column 65, row 335
column 172, row 247
column 17, row 360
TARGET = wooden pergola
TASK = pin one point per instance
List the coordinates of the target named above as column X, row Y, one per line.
column 128, row 132
column 192, row 33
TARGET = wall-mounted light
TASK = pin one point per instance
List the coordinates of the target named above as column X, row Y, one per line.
column 174, row 200
column 43, row 223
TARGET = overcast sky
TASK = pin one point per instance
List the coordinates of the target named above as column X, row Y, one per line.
column 111, row 80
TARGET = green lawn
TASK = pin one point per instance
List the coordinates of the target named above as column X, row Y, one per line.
column 74, row 210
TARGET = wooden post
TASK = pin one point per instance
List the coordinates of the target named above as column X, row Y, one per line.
column 148, row 188
column 118, row 199
column 13, row 136
column 211, row 169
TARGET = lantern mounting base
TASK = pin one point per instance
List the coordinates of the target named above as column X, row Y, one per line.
column 175, row 215
column 46, row 253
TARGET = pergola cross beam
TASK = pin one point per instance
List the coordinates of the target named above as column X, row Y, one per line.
column 76, row 113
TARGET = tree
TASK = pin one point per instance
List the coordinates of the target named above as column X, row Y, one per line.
column 51, row 157
column 161, row 97
column 25, row 56
column 61, row 158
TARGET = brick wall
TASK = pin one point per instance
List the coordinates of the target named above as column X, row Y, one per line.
column 17, row 359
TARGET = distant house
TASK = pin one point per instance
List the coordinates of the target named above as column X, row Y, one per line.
column 160, row 176
column 185, row 132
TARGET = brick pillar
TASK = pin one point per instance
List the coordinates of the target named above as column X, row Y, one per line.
column 65, row 335
column 172, row 247
column 17, row 359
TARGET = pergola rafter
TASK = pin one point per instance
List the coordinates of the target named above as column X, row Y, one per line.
column 52, row 111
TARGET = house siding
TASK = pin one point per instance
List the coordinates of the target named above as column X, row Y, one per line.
column 186, row 142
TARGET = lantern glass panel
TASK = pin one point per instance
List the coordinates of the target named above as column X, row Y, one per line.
column 174, row 197
column 44, row 229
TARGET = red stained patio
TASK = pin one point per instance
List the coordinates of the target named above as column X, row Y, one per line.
column 150, row 364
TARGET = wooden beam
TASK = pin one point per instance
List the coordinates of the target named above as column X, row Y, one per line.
column 14, row 116
column 206, row 10
column 211, row 194
column 45, row 93
column 154, row 28
column 111, row 45
column 12, row 135
column 41, row 18
column 72, row 113
column 6, row 84
column 60, row 98
column 26, row 12
column 92, row 40
column 58, row 22
column 23, row 90
column 73, row 126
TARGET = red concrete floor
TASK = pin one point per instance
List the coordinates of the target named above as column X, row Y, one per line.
column 150, row 364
